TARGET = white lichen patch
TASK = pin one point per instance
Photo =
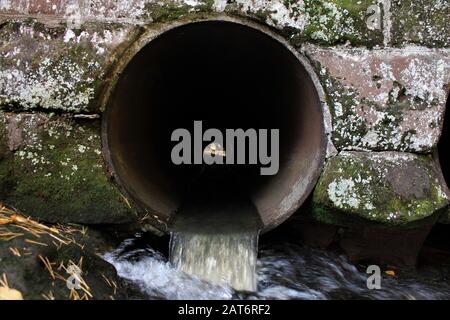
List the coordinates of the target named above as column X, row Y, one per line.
column 125, row 10
column 434, row 73
column 54, row 85
column 351, row 192
column 45, row 159
column 54, row 68
column 81, row 148
column 220, row 5
column 342, row 193
column 280, row 14
column 387, row 187
column 385, row 99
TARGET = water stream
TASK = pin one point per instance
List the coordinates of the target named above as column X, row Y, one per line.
column 215, row 237
column 284, row 270
column 220, row 259
column 214, row 254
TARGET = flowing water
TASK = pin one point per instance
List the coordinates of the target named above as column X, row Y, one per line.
column 216, row 238
column 220, row 259
column 217, row 241
column 284, row 271
column 214, row 254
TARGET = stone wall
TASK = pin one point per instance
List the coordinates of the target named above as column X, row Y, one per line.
column 386, row 90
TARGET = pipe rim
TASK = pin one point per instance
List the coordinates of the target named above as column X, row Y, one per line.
column 153, row 32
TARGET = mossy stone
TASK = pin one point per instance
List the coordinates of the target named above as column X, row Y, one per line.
column 387, row 188
column 339, row 21
column 58, row 174
column 422, row 22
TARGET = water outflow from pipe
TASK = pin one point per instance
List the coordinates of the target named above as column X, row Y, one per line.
column 215, row 235
column 285, row 271
column 217, row 258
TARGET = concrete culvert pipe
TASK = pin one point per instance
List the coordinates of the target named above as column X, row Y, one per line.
column 228, row 74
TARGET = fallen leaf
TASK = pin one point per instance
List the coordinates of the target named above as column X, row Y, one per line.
column 390, row 273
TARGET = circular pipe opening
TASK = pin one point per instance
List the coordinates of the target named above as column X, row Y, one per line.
column 229, row 75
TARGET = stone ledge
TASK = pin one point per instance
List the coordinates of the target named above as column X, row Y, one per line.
column 325, row 22
column 330, row 22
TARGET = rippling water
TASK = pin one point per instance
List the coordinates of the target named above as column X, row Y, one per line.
column 284, row 271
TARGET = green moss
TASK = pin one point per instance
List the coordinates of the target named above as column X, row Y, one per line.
column 61, row 177
column 340, row 21
column 423, row 22
column 356, row 187
column 166, row 12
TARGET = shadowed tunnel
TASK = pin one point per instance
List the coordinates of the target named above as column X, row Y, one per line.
column 444, row 144
column 228, row 75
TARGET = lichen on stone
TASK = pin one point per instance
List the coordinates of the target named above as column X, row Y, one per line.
column 279, row 14
column 169, row 10
column 423, row 22
column 54, row 67
column 57, row 173
column 323, row 22
column 389, row 188
column 348, row 126
column 378, row 99
column 341, row 21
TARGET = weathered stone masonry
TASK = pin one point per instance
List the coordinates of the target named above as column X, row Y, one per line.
column 386, row 92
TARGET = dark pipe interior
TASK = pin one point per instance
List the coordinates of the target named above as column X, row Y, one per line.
column 444, row 145
column 229, row 76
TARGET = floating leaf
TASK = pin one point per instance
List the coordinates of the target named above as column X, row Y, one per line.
column 390, row 273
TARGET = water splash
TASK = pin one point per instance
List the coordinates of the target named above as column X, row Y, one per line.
column 157, row 278
column 284, row 271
